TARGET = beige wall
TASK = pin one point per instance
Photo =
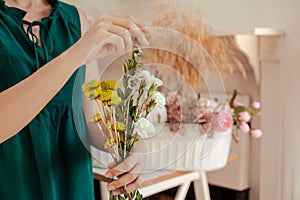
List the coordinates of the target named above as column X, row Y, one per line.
column 243, row 15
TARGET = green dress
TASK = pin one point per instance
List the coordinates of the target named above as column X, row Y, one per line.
column 47, row 159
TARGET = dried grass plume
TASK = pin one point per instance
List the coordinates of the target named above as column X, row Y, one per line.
column 221, row 49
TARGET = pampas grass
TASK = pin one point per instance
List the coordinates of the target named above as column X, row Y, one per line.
column 219, row 49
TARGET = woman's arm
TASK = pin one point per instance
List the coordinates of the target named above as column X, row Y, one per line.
column 20, row 103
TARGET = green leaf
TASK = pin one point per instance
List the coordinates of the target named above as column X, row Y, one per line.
column 151, row 90
column 119, row 113
column 125, row 80
column 121, row 198
column 111, row 196
column 122, row 136
column 120, row 93
column 133, row 111
column 239, row 109
column 127, row 92
column 150, row 107
column 139, row 196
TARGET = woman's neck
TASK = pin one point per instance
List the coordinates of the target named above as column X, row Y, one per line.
column 27, row 3
column 35, row 9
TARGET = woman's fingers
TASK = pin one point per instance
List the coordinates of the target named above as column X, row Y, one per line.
column 135, row 184
column 122, row 181
column 122, row 32
column 130, row 187
column 110, row 34
column 130, row 180
column 122, row 168
column 112, row 164
column 111, row 43
column 133, row 19
column 129, row 171
column 132, row 25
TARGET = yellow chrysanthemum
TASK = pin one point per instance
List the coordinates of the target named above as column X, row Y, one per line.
column 89, row 93
column 97, row 92
column 115, row 101
column 106, row 95
column 95, row 118
column 90, row 85
column 109, row 85
column 119, row 126
column 90, row 88
column 109, row 143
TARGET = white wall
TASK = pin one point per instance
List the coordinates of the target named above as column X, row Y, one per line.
column 243, row 15
column 219, row 14
column 284, row 14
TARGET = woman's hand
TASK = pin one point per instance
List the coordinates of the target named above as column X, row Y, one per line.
column 129, row 171
column 110, row 33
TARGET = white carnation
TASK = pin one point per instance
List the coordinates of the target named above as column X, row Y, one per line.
column 159, row 98
column 144, row 74
column 144, row 127
column 148, row 78
column 155, row 80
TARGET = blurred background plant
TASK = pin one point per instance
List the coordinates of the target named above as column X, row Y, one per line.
column 213, row 115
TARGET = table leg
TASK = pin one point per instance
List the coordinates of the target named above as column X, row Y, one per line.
column 182, row 191
column 103, row 190
column 201, row 187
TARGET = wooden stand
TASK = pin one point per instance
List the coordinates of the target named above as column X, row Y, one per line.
column 162, row 180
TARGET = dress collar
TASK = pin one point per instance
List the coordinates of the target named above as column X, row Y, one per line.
column 19, row 13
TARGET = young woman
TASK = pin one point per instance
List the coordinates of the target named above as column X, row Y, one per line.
column 43, row 44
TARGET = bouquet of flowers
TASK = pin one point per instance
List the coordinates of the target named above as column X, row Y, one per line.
column 122, row 111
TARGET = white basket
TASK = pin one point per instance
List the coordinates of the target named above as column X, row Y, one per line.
column 184, row 150
column 215, row 151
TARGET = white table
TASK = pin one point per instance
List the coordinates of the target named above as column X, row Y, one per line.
column 161, row 180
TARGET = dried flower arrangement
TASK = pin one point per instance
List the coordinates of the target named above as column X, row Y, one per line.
column 220, row 49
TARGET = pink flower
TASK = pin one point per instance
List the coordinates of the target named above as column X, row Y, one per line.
column 244, row 116
column 224, row 121
column 256, row 133
column 255, row 104
column 236, row 104
column 244, row 127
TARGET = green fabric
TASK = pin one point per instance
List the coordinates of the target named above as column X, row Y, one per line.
column 47, row 159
